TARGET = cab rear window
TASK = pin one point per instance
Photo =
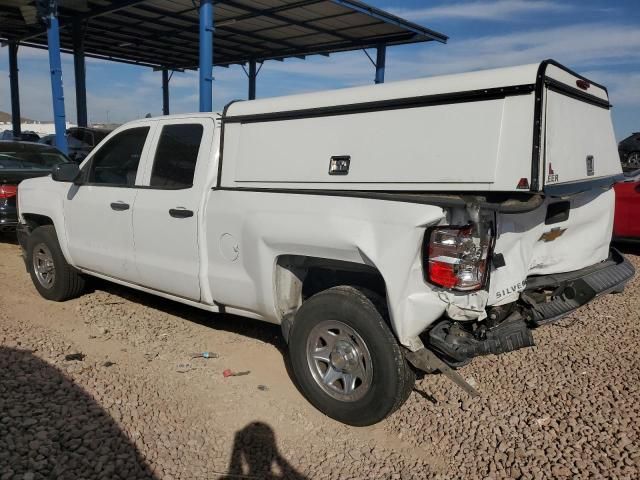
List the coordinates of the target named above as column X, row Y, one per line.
column 175, row 160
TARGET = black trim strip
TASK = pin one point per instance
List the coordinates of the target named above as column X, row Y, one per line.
column 571, row 72
column 221, row 154
column 383, row 105
column 141, row 187
column 537, row 128
column 510, row 204
column 572, row 188
column 569, row 91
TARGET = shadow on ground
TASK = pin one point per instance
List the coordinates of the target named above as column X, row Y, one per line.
column 628, row 247
column 263, row 331
column 51, row 428
column 259, row 330
column 8, row 237
column 256, row 455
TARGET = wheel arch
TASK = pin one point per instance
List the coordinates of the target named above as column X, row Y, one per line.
column 35, row 220
column 298, row 277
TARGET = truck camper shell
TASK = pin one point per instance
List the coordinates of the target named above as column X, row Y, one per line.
column 532, row 128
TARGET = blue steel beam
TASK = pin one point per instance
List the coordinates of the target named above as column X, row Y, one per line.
column 253, row 73
column 13, row 85
column 165, row 91
column 80, row 72
column 381, row 63
column 55, row 67
column 206, row 55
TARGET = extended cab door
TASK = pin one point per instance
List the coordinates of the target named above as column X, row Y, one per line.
column 165, row 217
column 98, row 212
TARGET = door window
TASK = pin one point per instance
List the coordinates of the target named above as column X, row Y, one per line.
column 116, row 163
column 174, row 164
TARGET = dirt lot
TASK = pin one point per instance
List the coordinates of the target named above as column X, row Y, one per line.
column 138, row 406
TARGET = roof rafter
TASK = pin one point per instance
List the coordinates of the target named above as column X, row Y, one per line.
column 165, row 34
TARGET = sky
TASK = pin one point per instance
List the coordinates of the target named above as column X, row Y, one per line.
column 598, row 38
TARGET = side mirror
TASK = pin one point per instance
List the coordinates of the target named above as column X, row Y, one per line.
column 65, row 172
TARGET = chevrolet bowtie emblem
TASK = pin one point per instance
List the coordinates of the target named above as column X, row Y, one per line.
column 552, row 234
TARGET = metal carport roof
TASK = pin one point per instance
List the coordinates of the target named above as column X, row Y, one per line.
column 179, row 34
column 165, row 33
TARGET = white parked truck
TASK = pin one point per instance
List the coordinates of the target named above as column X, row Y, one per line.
column 388, row 228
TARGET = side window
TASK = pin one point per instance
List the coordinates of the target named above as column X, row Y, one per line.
column 116, row 163
column 175, row 160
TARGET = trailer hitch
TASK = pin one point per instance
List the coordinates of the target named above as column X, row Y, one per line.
column 427, row 361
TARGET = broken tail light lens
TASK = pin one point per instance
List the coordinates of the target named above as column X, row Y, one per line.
column 457, row 257
column 8, row 191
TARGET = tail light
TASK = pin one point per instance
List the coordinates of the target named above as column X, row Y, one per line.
column 8, row 191
column 457, row 257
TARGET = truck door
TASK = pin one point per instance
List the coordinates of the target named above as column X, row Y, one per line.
column 165, row 217
column 98, row 212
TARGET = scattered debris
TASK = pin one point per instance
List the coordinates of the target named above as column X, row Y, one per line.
column 263, row 388
column 75, row 356
column 230, row 373
column 204, row 355
column 183, row 367
column 150, row 356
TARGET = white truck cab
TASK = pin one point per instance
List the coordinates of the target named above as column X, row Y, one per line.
column 410, row 225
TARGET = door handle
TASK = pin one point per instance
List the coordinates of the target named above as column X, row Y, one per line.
column 119, row 206
column 180, row 213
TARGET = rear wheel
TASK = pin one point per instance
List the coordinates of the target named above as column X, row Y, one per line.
column 52, row 276
column 345, row 359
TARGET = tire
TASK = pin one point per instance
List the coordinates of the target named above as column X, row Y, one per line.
column 353, row 321
column 52, row 276
column 631, row 162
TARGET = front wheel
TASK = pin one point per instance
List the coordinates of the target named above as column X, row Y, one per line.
column 346, row 360
column 52, row 276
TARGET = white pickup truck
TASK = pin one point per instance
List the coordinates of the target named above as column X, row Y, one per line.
column 387, row 228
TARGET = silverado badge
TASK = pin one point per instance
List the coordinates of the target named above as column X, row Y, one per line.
column 552, row 234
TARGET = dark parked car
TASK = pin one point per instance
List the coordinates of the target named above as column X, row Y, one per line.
column 629, row 150
column 19, row 161
column 80, row 141
column 23, row 137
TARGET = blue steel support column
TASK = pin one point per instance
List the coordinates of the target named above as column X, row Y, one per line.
column 165, row 91
column 381, row 60
column 252, row 79
column 55, row 66
column 13, row 85
column 80, row 72
column 206, row 55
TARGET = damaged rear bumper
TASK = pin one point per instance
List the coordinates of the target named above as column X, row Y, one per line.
column 547, row 298
column 571, row 290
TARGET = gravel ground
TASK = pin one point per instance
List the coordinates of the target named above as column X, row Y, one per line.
column 138, row 406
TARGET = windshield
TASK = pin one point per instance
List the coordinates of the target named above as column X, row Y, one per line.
column 34, row 160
